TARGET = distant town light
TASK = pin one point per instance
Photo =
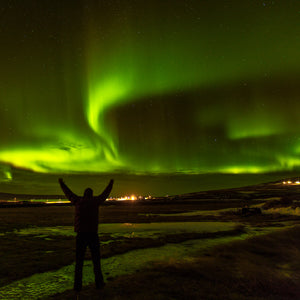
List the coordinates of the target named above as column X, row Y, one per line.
column 291, row 182
column 130, row 198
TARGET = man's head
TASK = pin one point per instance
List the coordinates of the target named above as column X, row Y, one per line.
column 88, row 193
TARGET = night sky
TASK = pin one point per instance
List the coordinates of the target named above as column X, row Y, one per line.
column 165, row 96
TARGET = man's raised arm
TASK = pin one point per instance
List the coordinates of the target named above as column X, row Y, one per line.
column 69, row 194
column 101, row 198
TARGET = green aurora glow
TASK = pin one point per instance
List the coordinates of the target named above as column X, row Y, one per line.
column 150, row 87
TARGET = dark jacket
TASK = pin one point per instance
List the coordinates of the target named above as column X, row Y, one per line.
column 86, row 207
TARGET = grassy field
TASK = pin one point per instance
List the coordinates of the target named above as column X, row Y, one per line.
column 265, row 267
column 253, row 257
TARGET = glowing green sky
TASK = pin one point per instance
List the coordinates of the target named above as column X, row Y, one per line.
column 155, row 87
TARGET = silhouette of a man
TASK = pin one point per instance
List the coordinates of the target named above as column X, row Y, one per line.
column 86, row 226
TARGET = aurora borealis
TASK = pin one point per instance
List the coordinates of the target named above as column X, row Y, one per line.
column 148, row 88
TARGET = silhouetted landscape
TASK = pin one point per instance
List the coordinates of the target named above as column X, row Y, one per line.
column 241, row 243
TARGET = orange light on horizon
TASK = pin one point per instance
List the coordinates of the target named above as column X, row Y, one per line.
column 130, row 198
column 291, row 182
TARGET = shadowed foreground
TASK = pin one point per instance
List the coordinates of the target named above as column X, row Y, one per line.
column 263, row 267
column 205, row 248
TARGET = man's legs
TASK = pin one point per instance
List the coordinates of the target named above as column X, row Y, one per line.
column 95, row 251
column 80, row 251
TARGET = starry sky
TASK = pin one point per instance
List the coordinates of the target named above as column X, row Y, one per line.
column 166, row 96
